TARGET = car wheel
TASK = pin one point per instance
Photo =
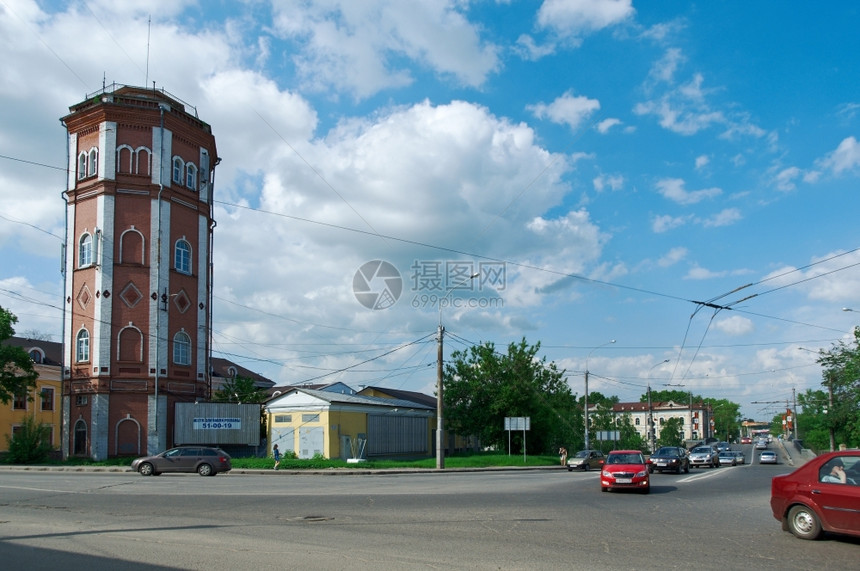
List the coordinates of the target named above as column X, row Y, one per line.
column 146, row 469
column 570, row 468
column 687, row 469
column 604, row 489
column 646, row 490
column 803, row 523
column 204, row 470
column 678, row 470
column 586, row 467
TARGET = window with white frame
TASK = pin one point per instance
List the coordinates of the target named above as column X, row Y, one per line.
column 85, row 251
column 94, row 161
column 19, row 401
column 82, row 166
column 182, row 256
column 191, row 176
column 47, row 398
column 82, row 346
column 182, row 348
column 178, row 168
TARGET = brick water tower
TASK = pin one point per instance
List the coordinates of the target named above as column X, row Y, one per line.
column 138, row 269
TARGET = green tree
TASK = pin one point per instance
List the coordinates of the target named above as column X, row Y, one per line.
column 727, row 419
column 17, row 373
column 30, row 444
column 671, row 433
column 812, row 425
column 482, row 387
column 240, row 390
column 841, row 380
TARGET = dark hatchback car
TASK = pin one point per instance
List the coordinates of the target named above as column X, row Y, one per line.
column 821, row 495
column 672, row 458
column 204, row 460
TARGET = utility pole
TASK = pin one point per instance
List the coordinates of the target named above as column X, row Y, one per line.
column 650, row 421
column 440, row 440
column 587, row 447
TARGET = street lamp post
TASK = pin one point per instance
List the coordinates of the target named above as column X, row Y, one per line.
column 440, row 440
column 651, row 435
column 587, row 441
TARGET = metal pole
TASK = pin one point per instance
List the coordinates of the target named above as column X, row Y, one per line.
column 587, row 447
column 830, row 412
column 440, row 451
column 650, row 421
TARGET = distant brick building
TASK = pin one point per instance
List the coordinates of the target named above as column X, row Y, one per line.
column 137, row 300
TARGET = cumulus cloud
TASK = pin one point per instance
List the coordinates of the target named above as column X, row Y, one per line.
column 604, row 126
column 672, row 257
column 845, row 158
column 735, row 325
column 664, row 223
column 573, row 18
column 673, row 189
column 567, row 109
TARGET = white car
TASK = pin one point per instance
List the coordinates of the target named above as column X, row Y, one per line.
column 767, row 457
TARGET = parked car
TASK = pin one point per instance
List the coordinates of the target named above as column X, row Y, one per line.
column 625, row 469
column 704, row 456
column 746, row 440
column 672, row 458
column 586, row 460
column 728, row 458
column 767, row 457
column 739, row 455
column 807, row 505
column 204, row 460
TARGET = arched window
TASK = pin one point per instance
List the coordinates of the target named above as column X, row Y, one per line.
column 80, row 445
column 124, row 159
column 131, row 247
column 82, row 166
column 182, row 348
column 144, row 160
column 191, row 176
column 37, row 356
column 82, row 346
column 637, row 421
column 85, row 251
column 130, row 345
column 182, row 256
column 94, row 161
column 178, row 168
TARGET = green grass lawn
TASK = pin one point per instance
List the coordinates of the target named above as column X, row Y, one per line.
column 479, row 460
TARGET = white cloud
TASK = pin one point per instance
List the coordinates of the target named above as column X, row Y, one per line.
column 604, row 126
column 846, row 157
column 672, row 257
column 611, row 182
column 725, row 217
column 568, row 109
column 702, row 161
column 735, row 325
column 580, row 17
column 664, row 223
column 673, row 189
column 352, row 46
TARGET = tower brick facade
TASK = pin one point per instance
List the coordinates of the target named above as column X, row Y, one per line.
column 138, row 270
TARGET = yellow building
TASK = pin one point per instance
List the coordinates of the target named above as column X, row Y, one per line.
column 45, row 403
column 312, row 422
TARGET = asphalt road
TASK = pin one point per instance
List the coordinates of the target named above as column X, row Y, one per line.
column 527, row 519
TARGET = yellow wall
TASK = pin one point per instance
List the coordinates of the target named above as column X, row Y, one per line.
column 334, row 423
column 49, row 377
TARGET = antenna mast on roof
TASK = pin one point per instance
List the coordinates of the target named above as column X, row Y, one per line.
column 148, row 34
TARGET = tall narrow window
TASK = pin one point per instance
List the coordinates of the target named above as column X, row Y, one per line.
column 85, row 251
column 182, row 257
column 191, row 176
column 178, row 167
column 82, row 166
column 94, row 161
column 19, row 402
column 82, row 346
column 47, row 398
column 182, row 349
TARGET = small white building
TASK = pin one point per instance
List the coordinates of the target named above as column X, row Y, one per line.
column 696, row 418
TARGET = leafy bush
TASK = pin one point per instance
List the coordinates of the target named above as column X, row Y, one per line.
column 30, row 444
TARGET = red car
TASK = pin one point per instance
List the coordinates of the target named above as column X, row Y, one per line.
column 625, row 469
column 746, row 440
column 821, row 495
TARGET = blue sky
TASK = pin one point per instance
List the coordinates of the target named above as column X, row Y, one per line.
column 603, row 164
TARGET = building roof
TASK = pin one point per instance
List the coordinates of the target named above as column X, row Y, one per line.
column 340, row 398
column 52, row 351
column 337, row 387
column 412, row 396
column 221, row 368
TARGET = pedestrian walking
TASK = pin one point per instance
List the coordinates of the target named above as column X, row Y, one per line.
column 276, row 454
